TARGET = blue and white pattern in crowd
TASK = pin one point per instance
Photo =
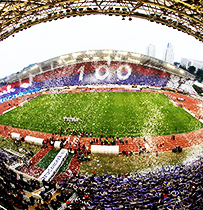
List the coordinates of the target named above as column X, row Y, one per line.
column 12, row 96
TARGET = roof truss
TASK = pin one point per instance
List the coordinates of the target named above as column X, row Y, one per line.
column 183, row 15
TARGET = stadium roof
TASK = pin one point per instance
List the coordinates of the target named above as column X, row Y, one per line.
column 94, row 56
column 183, row 15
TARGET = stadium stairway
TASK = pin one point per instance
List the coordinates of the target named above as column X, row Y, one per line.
column 74, row 165
column 35, row 160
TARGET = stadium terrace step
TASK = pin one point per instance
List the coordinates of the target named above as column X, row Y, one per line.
column 14, row 153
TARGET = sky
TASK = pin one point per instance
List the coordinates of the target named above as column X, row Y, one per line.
column 48, row 40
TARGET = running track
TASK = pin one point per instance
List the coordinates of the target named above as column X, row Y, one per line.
column 183, row 140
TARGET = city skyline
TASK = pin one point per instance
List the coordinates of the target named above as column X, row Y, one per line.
column 151, row 50
column 168, row 55
column 190, row 62
column 48, row 40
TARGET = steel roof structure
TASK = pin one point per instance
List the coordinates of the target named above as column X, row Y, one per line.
column 183, row 15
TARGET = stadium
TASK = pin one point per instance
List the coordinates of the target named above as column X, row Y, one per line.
column 100, row 129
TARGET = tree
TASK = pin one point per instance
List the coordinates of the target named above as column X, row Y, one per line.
column 199, row 75
column 192, row 69
column 197, row 89
column 199, row 72
column 182, row 67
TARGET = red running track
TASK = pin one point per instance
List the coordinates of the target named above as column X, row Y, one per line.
column 183, row 140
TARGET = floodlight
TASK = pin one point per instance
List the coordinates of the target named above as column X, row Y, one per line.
column 75, row 55
column 108, row 51
column 133, row 60
column 34, row 67
column 60, row 61
column 70, row 61
column 118, row 58
column 170, row 66
column 64, row 56
column 96, row 58
column 122, row 52
column 90, row 52
column 181, row 71
column 135, row 55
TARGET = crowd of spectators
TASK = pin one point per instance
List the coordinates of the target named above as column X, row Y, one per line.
column 178, row 187
column 62, row 77
column 8, row 158
column 13, row 185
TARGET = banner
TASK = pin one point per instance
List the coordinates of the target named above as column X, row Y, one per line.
column 18, row 94
column 55, row 165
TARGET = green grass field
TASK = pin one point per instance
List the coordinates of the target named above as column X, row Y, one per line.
column 7, row 143
column 119, row 114
column 106, row 164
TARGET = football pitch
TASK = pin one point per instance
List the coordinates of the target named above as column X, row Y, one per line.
column 113, row 113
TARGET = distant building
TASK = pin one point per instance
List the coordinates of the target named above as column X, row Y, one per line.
column 190, row 62
column 169, row 54
column 150, row 50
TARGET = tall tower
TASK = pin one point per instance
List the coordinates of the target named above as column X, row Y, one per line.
column 168, row 54
column 150, row 50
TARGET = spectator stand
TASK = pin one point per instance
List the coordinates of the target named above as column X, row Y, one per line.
column 14, row 153
column 102, row 72
column 15, row 164
column 14, row 185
